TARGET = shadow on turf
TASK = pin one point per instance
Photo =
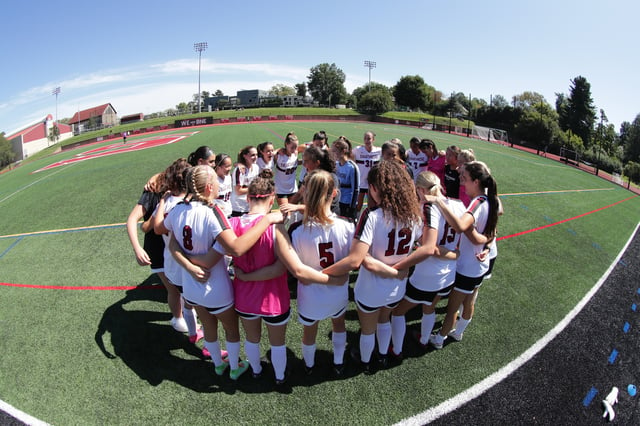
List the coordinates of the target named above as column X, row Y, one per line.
column 146, row 343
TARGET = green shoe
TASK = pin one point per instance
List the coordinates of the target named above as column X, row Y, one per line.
column 242, row 367
column 220, row 369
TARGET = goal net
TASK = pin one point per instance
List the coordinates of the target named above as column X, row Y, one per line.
column 489, row 134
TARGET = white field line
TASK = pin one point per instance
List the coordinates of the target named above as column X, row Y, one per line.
column 32, row 183
column 495, row 378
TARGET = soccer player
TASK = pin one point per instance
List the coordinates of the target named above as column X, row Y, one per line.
column 386, row 232
column 366, row 156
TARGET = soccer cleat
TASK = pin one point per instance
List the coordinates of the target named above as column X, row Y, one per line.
column 179, row 324
column 383, row 361
column 196, row 337
column 367, row 368
column 436, row 341
column 456, row 336
column 338, row 370
column 242, row 367
column 220, row 369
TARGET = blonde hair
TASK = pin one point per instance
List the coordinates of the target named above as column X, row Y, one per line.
column 319, row 186
column 466, row 155
column 430, row 182
column 198, row 178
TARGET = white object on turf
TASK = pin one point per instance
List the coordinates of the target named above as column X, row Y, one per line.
column 609, row 402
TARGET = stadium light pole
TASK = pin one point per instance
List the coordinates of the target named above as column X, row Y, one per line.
column 369, row 64
column 199, row 47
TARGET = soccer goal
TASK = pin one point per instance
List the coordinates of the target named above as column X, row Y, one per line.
column 490, row 134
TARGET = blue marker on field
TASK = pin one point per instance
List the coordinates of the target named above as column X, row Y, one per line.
column 590, row 395
column 613, row 356
column 626, row 327
column 632, row 390
column 634, row 307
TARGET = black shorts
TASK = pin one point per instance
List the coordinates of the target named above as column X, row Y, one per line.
column 466, row 284
column 370, row 309
column 272, row 320
column 415, row 295
column 154, row 246
column 491, row 262
column 284, row 195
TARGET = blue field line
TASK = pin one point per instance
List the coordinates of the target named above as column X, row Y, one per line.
column 13, row 244
column 63, row 231
column 589, row 397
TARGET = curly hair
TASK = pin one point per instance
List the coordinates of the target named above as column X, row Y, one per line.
column 396, row 191
column 174, row 176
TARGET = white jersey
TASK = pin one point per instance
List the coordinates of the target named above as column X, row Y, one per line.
column 320, row 246
column 225, row 188
column 285, row 175
column 264, row 165
column 418, row 162
column 389, row 243
column 365, row 160
column 468, row 264
column 172, row 269
column 243, row 178
column 196, row 226
column 433, row 273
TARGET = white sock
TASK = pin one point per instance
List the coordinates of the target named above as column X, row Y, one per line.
column 190, row 318
column 384, row 337
column 461, row 325
column 309, row 354
column 426, row 327
column 339, row 341
column 253, row 354
column 233, row 348
column 279, row 360
column 214, row 349
column 398, row 330
column 367, row 343
column 460, row 310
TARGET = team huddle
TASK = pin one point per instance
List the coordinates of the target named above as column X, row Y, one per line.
column 426, row 232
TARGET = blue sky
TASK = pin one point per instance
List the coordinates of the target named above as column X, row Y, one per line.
column 139, row 55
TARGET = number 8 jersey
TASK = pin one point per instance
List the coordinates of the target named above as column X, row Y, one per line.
column 389, row 242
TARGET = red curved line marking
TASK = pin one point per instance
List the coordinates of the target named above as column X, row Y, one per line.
column 565, row 220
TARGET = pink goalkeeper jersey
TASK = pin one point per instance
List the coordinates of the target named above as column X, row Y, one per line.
column 270, row 297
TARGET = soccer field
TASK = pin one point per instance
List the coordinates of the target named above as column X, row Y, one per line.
column 85, row 331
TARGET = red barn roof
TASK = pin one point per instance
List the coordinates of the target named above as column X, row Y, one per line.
column 88, row 113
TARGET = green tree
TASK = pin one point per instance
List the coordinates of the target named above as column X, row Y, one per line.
column 412, row 92
column 326, row 84
column 499, row 101
column 301, row 89
column 578, row 113
column 6, row 153
column 359, row 92
column 632, row 141
column 632, row 171
column 527, row 100
column 218, row 93
column 376, row 101
column 281, row 90
column 54, row 133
